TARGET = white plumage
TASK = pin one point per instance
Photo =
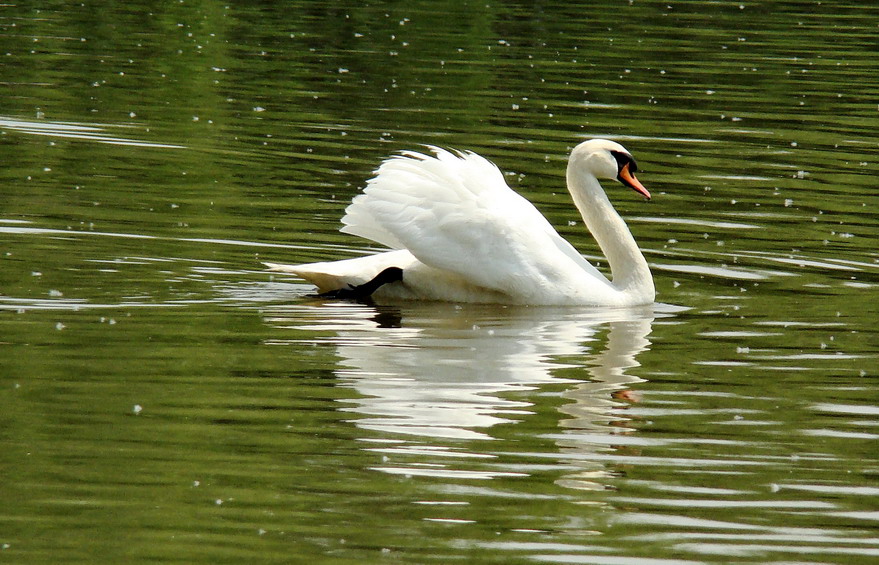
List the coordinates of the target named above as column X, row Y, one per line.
column 459, row 233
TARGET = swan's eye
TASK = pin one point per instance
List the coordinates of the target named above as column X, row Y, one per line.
column 624, row 159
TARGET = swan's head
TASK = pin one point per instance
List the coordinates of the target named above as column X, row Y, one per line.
column 605, row 159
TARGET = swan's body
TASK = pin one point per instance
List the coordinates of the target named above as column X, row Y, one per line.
column 459, row 233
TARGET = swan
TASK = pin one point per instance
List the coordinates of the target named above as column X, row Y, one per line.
column 457, row 232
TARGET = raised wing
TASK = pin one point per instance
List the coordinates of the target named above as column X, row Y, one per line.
column 454, row 211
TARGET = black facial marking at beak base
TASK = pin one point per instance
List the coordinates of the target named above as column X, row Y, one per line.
column 626, row 167
column 623, row 159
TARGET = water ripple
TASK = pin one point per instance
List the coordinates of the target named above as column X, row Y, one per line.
column 78, row 131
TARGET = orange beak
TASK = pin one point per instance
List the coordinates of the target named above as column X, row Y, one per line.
column 628, row 179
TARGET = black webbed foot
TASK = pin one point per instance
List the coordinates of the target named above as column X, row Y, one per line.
column 363, row 292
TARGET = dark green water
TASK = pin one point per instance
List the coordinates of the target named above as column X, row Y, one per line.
column 163, row 398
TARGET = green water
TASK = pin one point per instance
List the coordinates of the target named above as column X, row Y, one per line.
column 164, row 398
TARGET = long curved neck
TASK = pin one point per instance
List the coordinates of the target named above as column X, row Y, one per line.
column 629, row 269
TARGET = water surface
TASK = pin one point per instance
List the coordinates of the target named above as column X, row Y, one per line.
column 164, row 398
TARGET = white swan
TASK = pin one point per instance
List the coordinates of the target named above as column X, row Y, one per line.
column 459, row 233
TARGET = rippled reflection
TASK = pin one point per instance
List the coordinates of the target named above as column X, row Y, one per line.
column 597, row 418
column 433, row 377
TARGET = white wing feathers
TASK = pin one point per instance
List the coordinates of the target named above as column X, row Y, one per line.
column 455, row 212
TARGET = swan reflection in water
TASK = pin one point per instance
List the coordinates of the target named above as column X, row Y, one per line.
column 432, row 378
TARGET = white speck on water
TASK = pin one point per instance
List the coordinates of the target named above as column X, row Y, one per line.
column 55, row 293
column 59, row 326
column 259, row 109
column 788, row 202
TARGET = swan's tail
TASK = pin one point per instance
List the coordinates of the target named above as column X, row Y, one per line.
column 328, row 276
column 314, row 273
